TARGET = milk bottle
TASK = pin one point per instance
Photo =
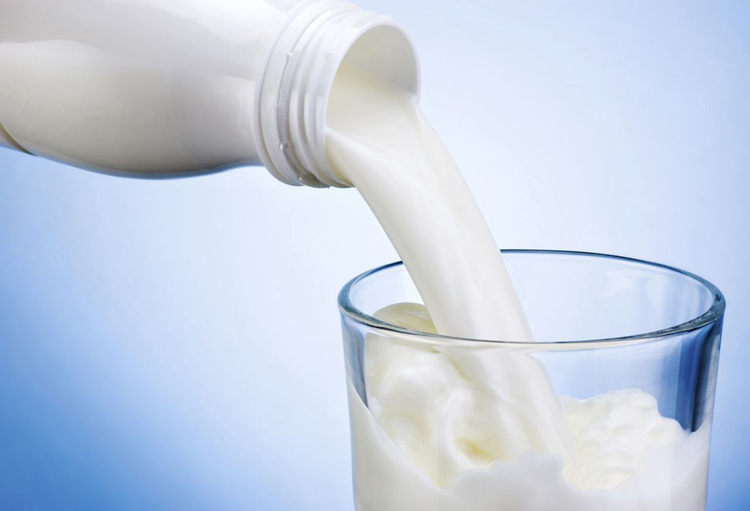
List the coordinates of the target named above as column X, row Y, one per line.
column 159, row 88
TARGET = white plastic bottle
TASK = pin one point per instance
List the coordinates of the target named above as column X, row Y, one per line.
column 158, row 88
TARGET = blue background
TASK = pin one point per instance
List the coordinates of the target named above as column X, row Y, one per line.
column 175, row 345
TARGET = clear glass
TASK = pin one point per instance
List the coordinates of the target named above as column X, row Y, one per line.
column 603, row 325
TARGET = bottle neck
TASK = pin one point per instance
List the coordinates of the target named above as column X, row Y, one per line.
column 295, row 83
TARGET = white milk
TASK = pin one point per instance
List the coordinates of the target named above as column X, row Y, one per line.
column 457, row 430
column 424, row 444
column 668, row 477
column 381, row 143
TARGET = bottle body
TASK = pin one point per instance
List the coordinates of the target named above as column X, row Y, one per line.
column 160, row 88
column 139, row 87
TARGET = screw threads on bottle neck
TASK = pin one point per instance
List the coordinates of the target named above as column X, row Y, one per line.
column 292, row 100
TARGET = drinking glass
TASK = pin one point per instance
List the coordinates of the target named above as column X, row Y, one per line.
column 603, row 325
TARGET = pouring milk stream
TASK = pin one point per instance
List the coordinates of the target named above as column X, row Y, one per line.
column 323, row 93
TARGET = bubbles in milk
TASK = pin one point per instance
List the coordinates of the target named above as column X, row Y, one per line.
column 462, row 430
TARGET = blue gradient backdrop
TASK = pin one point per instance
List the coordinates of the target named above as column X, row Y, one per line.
column 175, row 345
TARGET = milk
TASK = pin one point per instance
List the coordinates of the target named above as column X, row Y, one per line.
column 669, row 477
column 421, row 445
column 380, row 142
column 462, row 430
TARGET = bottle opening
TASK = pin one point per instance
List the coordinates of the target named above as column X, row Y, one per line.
column 385, row 53
column 312, row 46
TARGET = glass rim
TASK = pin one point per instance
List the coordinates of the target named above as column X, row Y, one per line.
column 714, row 313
